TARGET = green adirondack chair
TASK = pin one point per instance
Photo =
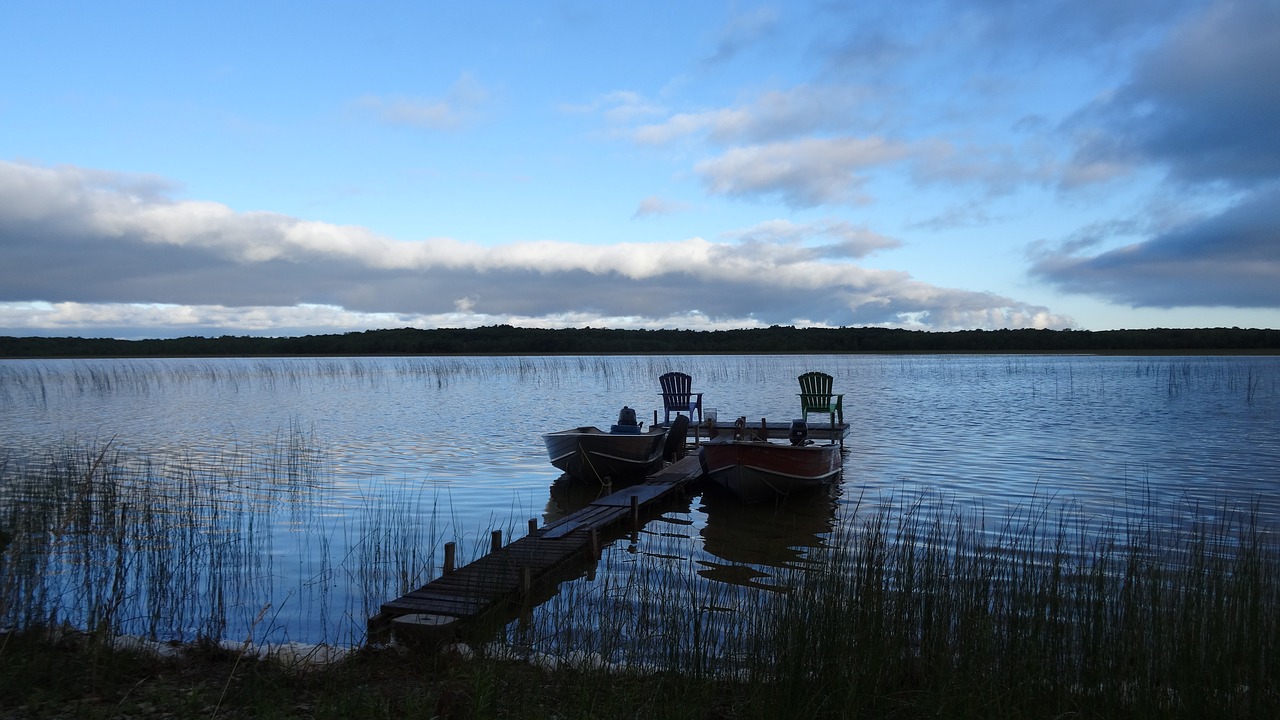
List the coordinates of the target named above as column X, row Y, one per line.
column 816, row 396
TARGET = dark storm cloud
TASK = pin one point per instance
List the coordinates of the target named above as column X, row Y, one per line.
column 879, row 39
column 1204, row 105
column 1231, row 259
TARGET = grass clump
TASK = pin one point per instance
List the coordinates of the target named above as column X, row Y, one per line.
column 914, row 613
column 1034, row 618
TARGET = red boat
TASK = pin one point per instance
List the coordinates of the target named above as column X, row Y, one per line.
column 757, row 470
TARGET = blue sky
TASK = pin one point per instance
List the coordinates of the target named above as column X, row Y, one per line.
column 282, row 168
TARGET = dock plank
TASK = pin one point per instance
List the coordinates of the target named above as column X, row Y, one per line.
column 470, row 591
column 645, row 493
column 460, row 607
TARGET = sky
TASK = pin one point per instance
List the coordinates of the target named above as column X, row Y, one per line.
column 291, row 168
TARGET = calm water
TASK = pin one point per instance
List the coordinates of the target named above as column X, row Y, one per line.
column 403, row 454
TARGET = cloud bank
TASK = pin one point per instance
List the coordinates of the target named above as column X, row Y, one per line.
column 83, row 249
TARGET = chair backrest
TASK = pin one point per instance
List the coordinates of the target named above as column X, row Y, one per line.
column 815, row 390
column 676, row 389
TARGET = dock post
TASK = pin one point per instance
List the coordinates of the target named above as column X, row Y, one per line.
column 595, row 544
column 635, row 513
column 449, row 550
column 526, row 582
column 533, row 525
column 495, row 541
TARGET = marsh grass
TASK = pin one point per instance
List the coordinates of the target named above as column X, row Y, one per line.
column 200, row 548
column 43, row 383
column 918, row 608
column 909, row 611
column 913, row 611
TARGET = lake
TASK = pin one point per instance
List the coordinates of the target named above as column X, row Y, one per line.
column 284, row 499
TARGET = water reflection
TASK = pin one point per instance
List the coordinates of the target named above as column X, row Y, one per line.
column 749, row 543
column 568, row 496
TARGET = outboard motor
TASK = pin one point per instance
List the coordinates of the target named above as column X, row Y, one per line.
column 799, row 432
column 626, row 421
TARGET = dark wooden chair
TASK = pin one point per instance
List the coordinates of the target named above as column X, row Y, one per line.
column 678, row 396
column 816, row 396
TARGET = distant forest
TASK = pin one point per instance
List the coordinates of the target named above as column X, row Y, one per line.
column 508, row 340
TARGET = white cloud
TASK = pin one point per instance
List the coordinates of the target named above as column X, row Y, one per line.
column 166, row 320
column 806, row 173
column 849, row 240
column 774, row 115
column 619, row 107
column 459, row 107
column 653, row 206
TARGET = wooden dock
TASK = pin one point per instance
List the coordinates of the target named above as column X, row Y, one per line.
column 762, row 429
column 494, row 588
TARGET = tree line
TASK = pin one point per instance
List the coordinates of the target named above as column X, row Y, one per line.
column 508, row 340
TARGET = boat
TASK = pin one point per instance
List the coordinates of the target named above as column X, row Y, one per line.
column 624, row 452
column 757, row 469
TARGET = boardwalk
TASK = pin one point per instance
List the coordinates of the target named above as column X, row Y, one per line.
column 513, row 575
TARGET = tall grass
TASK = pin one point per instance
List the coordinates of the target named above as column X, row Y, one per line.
column 1042, row 614
column 43, row 382
column 1147, row 618
column 182, row 548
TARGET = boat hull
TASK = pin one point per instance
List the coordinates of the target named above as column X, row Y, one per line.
column 757, row 471
column 590, row 454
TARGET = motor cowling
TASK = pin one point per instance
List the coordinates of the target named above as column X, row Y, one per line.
column 626, row 422
column 799, row 434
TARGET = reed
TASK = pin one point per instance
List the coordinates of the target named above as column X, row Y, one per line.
column 914, row 611
column 184, row 547
column 910, row 611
